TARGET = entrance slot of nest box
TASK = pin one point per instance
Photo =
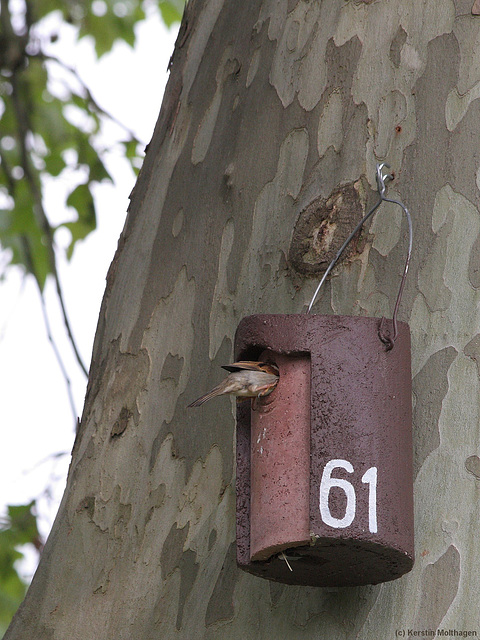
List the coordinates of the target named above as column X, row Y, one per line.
column 280, row 460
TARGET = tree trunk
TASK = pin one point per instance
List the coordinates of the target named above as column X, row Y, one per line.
column 263, row 158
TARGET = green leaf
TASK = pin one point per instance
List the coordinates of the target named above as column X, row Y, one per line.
column 81, row 200
column 134, row 153
column 54, row 163
column 17, row 529
column 79, row 231
column 171, row 11
column 116, row 23
column 89, row 157
column 23, row 523
column 19, row 232
column 42, row 8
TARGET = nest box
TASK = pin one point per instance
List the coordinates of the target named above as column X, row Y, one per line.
column 324, row 463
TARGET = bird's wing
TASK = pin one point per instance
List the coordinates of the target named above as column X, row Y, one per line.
column 266, row 367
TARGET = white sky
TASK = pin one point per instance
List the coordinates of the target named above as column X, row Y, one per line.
column 36, row 419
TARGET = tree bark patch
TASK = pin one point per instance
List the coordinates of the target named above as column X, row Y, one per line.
column 324, row 225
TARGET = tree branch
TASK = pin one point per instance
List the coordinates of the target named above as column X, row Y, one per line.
column 24, row 128
column 28, row 257
column 88, row 94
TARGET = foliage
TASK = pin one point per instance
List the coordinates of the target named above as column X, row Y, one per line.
column 17, row 529
column 172, row 11
column 47, row 131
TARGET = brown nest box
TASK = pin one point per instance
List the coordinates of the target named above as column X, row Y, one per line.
column 324, row 463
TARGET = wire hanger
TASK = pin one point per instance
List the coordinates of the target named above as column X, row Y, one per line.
column 385, row 337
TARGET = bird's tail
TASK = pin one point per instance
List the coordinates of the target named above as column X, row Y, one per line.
column 208, row 396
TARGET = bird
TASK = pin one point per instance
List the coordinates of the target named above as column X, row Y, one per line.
column 245, row 380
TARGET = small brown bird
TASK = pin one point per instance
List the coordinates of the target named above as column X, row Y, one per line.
column 246, row 380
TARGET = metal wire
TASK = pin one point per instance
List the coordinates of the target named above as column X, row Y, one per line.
column 385, row 337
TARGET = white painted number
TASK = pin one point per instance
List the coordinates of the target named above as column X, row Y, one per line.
column 370, row 478
column 326, row 484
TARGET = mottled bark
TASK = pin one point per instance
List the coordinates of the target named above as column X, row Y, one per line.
column 271, row 106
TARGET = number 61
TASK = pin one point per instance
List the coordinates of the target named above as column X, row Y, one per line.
column 326, row 484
